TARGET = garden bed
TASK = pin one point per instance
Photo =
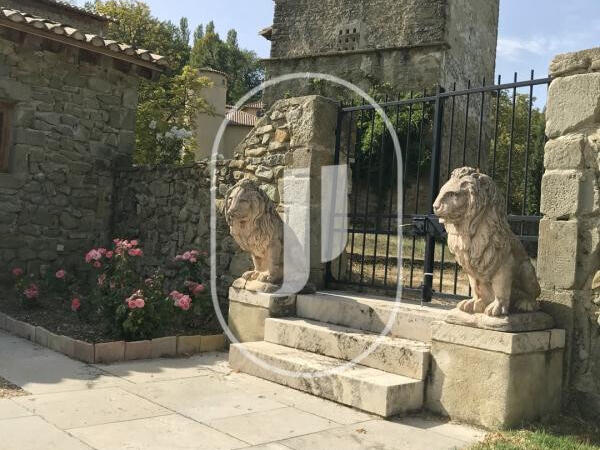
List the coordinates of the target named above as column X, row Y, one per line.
column 111, row 307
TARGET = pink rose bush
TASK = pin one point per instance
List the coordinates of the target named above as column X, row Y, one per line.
column 115, row 291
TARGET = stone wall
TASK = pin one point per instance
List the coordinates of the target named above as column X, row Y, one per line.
column 408, row 45
column 168, row 208
column 569, row 246
column 73, row 122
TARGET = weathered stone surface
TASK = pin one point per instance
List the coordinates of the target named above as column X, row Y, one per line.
column 513, row 323
column 24, row 330
column 573, row 103
column 565, row 152
column 138, row 350
column 162, row 347
column 408, row 321
column 189, row 345
column 392, row 355
column 557, row 253
column 566, row 193
column 109, row 352
column 277, row 305
column 575, row 62
column 361, row 387
column 247, row 322
column 213, row 343
column 472, row 209
column 498, row 341
column 83, row 351
column 476, row 380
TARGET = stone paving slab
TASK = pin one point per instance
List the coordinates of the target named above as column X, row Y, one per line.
column 197, row 403
column 11, row 410
column 269, row 426
column 147, row 371
column 92, row 407
column 40, row 370
column 34, row 433
column 171, row 432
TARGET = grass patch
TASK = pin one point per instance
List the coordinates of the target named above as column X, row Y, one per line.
column 565, row 433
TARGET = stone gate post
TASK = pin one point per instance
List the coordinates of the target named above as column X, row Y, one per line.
column 569, row 251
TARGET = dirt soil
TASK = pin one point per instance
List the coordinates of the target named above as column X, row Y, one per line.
column 7, row 389
column 58, row 319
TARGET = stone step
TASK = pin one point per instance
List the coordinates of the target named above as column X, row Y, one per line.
column 368, row 389
column 393, row 355
column 409, row 320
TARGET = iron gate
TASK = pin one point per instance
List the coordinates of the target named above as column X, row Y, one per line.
column 498, row 128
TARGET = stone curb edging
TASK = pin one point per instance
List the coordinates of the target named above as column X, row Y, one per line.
column 117, row 351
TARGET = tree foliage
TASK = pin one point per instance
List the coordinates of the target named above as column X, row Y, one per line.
column 168, row 106
column 242, row 66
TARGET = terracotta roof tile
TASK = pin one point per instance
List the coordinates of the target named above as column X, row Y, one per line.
column 93, row 40
column 241, row 118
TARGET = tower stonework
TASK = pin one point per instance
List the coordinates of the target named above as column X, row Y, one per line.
column 400, row 44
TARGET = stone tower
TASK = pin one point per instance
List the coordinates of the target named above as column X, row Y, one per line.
column 404, row 44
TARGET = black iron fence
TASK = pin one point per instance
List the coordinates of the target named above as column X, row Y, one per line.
column 498, row 128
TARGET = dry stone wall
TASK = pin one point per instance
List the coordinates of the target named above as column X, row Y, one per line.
column 73, row 123
column 569, row 246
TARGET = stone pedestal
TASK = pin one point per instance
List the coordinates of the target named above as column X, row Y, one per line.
column 248, row 311
column 495, row 379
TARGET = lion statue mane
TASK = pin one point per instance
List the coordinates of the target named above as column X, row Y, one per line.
column 500, row 273
column 258, row 229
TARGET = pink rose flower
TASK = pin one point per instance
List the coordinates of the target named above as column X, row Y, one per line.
column 131, row 304
column 93, row 255
column 198, row 289
column 135, row 252
column 134, row 243
column 17, row 271
column 140, row 303
column 102, row 251
column 75, row 304
column 184, row 302
column 109, row 254
column 32, row 292
column 97, row 264
column 175, row 295
column 61, row 274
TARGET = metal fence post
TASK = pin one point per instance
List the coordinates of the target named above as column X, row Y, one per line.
column 434, row 181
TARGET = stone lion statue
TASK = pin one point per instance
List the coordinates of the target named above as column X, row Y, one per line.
column 500, row 272
column 258, row 229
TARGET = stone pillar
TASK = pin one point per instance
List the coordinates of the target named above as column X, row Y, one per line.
column 569, row 251
column 495, row 378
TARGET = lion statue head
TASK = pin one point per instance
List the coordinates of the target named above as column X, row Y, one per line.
column 251, row 216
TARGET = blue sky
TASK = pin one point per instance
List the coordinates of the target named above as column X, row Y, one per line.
column 531, row 31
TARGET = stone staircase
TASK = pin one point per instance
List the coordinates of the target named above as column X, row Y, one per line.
column 331, row 329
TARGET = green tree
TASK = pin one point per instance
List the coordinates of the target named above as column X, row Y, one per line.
column 241, row 66
column 167, row 106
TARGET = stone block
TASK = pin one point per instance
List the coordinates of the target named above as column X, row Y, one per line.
column 189, row 345
column 138, row 350
column 109, row 352
column 493, row 380
column 361, row 312
column 164, row 347
column 573, row 103
column 83, row 351
column 574, row 62
column 247, row 322
column 3, row 321
column 392, row 355
column 567, row 193
column 213, row 343
column 24, row 330
column 42, row 336
column 61, row 344
column 513, row 323
column 557, row 253
column 565, row 152
column 362, row 387
column 277, row 305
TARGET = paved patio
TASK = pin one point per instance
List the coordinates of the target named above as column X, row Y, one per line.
column 195, row 403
